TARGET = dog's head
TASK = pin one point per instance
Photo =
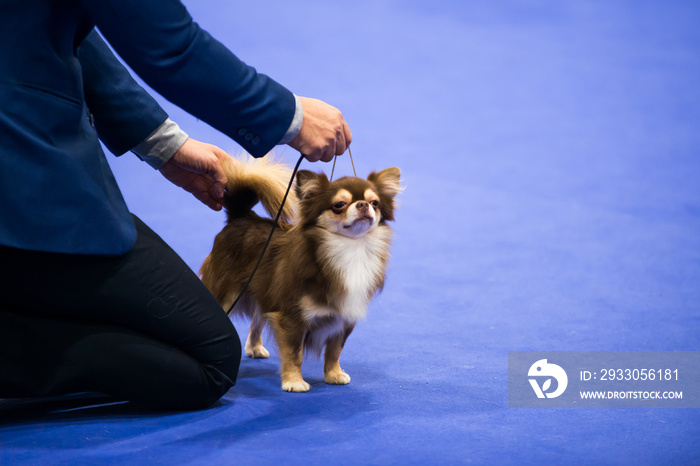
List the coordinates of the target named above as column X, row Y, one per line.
column 348, row 206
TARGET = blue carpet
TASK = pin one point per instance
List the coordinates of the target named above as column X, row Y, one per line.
column 551, row 156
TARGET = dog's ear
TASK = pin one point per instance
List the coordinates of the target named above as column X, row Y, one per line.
column 388, row 184
column 309, row 183
column 387, row 181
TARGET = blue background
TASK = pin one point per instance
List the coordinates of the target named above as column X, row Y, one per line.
column 550, row 152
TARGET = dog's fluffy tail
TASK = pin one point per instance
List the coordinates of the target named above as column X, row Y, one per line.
column 261, row 180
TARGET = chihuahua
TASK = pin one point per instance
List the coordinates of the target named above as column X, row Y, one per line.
column 324, row 264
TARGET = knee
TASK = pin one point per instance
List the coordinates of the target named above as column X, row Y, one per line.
column 211, row 377
column 232, row 355
column 215, row 380
column 222, row 374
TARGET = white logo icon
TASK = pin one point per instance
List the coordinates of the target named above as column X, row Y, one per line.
column 543, row 369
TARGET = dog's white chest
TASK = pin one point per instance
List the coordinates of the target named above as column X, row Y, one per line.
column 360, row 265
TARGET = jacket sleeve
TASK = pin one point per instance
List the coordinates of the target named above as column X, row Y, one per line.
column 169, row 51
column 123, row 112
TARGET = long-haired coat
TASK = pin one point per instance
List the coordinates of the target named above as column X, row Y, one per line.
column 324, row 264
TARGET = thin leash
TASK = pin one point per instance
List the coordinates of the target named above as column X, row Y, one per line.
column 274, row 224
column 351, row 161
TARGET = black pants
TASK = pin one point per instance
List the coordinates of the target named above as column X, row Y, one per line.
column 140, row 327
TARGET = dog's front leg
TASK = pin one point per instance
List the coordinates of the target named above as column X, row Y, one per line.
column 290, row 340
column 332, row 372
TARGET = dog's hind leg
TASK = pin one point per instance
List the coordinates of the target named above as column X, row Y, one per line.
column 253, row 346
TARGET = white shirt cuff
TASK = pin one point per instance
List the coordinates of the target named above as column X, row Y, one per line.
column 161, row 144
column 295, row 126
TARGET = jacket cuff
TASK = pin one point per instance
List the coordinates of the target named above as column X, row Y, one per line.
column 161, row 144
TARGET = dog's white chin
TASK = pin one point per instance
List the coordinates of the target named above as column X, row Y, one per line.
column 357, row 228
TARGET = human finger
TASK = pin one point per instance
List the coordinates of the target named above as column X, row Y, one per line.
column 347, row 134
column 340, row 144
column 216, row 172
column 206, row 198
column 328, row 152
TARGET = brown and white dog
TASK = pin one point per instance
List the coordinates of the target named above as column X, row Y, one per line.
column 324, row 264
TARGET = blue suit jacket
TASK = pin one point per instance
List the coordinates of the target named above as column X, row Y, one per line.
column 57, row 192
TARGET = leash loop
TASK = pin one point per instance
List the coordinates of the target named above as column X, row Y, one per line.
column 351, row 161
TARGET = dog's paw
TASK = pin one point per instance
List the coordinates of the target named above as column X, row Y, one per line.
column 257, row 352
column 298, row 386
column 337, row 378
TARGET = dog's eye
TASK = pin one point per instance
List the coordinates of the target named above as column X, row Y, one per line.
column 375, row 204
column 338, row 206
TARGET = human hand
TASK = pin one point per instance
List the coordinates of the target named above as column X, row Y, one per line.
column 196, row 167
column 324, row 132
